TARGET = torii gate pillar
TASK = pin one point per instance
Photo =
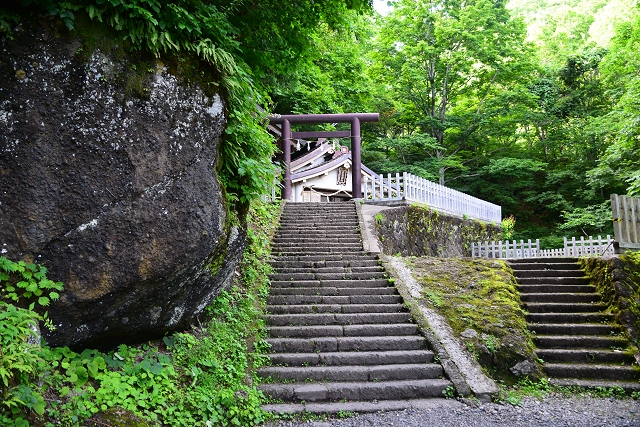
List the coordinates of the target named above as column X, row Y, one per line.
column 354, row 119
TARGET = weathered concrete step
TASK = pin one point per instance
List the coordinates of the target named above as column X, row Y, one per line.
column 521, row 274
column 593, row 317
column 542, row 263
column 553, row 281
column 316, row 249
column 341, row 358
column 335, row 308
column 331, row 269
column 560, row 297
column 367, row 343
column 335, row 291
column 323, row 223
column 395, row 329
column 536, row 289
column 310, row 228
column 346, row 283
column 579, row 341
column 586, row 356
column 627, row 386
column 352, row 373
column 322, row 276
column 369, row 261
column 334, row 391
column 331, row 299
column 355, row 256
column 288, row 240
column 585, row 371
column 551, row 307
column 336, row 319
column 573, row 329
column 359, row 407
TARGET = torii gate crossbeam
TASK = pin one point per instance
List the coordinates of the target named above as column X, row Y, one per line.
column 354, row 118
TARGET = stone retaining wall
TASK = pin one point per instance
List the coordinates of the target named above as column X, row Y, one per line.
column 419, row 231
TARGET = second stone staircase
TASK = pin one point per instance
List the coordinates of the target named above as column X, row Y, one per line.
column 577, row 339
column 338, row 329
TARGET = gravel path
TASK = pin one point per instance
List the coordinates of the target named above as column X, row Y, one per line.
column 553, row 411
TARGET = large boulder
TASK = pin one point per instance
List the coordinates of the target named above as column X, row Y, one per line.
column 114, row 190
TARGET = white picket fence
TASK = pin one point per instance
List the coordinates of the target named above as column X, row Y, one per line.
column 572, row 248
column 444, row 199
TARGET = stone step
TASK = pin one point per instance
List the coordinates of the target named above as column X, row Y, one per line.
column 343, row 283
column 573, row 329
column 559, row 297
column 335, row 391
column 336, row 319
column 331, row 344
column 627, row 386
column 593, row 317
column 585, row 371
column 285, row 240
column 579, row 341
column 335, row 308
column 334, row 291
column 319, row 210
column 543, row 263
column 324, row 223
column 358, row 407
column 355, row 263
column 550, row 307
column 316, row 248
column 553, row 281
column 521, row 274
column 343, row 257
column 395, row 329
column 341, row 358
column 536, row 289
column 311, row 229
column 352, row 373
column 586, row 356
column 326, row 276
column 331, row 299
column 331, row 269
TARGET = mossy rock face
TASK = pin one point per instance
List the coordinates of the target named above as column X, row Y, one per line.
column 117, row 417
column 419, row 231
column 618, row 281
column 481, row 303
column 124, row 202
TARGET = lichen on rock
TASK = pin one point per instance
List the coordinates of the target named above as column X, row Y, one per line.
column 116, row 194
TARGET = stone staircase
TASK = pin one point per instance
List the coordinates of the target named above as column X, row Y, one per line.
column 579, row 343
column 338, row 329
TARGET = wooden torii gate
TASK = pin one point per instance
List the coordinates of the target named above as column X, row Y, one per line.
column 287, row 136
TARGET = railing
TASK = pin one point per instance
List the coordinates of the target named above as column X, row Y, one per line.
column 416, row 189
column 515, row 250
column 626, row 221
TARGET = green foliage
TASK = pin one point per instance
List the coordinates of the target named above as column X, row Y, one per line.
column 508, row 227
column 590, row 220
column 27, row 281
column 25, row 284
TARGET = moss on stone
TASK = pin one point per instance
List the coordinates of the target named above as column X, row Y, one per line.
column 419, row 231
column 482, row 296
column 117, row 417
column 618, row 281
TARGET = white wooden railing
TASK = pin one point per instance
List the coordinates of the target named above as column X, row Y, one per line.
column 572, row 248
column 416, row 189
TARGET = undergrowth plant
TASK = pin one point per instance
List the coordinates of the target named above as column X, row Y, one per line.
column 201, row 377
